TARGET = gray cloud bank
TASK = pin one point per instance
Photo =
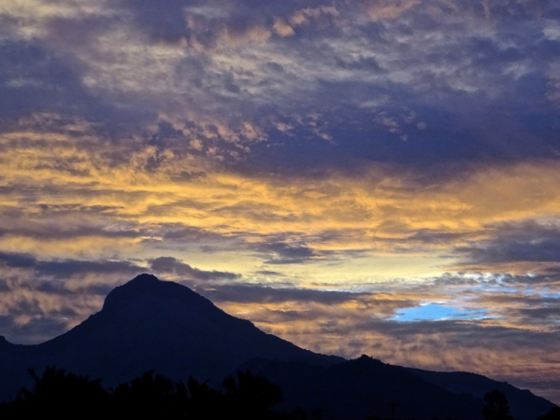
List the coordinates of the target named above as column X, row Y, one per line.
column 415, row 82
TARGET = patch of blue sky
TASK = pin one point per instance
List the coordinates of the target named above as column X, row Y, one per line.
column 437, row 312
column 550, row 295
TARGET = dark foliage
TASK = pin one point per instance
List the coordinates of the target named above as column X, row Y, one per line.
column 496, row 406
column 251, row 397
column 148, row 396
column 61, row 395
column 248, row 396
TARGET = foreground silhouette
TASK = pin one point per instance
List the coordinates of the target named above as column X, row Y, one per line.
column 496, row 406
column 61, row 395
column 58, row 394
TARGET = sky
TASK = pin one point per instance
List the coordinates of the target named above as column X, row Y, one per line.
column 375, row 177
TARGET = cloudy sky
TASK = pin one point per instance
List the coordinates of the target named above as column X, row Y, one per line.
column 374, row 177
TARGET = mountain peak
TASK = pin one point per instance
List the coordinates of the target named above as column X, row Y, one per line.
column 147, row 286
column 147, row 282
column 144, row 278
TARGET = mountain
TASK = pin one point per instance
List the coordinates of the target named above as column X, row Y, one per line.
column 522, row 402
column 357, row 389
column 360, row 388
column 152, row 324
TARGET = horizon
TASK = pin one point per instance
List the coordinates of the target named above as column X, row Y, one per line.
column 373, row 177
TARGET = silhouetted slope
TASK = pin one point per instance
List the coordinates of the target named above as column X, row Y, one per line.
column 523, row 403
column 152, row 324
column 359, row 388
column 14, row 362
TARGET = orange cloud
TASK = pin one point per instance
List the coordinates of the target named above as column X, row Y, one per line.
column 390, row 9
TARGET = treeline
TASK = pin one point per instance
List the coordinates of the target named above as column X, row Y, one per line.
column 61, row 395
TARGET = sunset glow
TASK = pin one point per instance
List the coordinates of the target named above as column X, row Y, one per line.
column 358, row 177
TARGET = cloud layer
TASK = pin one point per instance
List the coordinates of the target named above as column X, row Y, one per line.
column 317, row 167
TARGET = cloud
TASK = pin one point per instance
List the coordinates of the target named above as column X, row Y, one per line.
column 173, row 52
column 282, row 28
column 288, row 254
column 36, row 330
column 175, row 266
column 524, row 242
column 67, row 268
column 37, row 307
column 388, row 10
column 360, row 326
column 363, row 148
column 541, row 251
column 434, row 236
column 251, row 293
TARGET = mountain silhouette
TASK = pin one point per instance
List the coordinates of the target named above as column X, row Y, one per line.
column 151, row 324
column 522, row 402
column 358, row 388
column 148, row 324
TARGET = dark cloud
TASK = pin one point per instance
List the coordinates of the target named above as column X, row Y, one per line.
column 530, row 309
column 500, row 251
column 522, row 242
column 473, row 87
column 283, row 253
column 4, row 287
column 471, row 125
column 181, row 233
column 67, row 268
column 456, row 333
column 272, row 317
column 61, row 288
column 173, row 265
column 248, row 293
column 31, row 74
column 37, row 330
column 186, row 176
column 74, row 267
column 44, row 232
column 18, row 260
column 368, row 64
column 433, row 236
column 163, row 22
column 542, row 314
column 269, row 273
column 39, row 78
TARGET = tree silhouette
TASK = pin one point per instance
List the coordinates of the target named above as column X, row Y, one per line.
column 252, row 396
column 59, row 395
column 496, row 406
column 204, row 402
column 148, row 396
column 63, row 396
